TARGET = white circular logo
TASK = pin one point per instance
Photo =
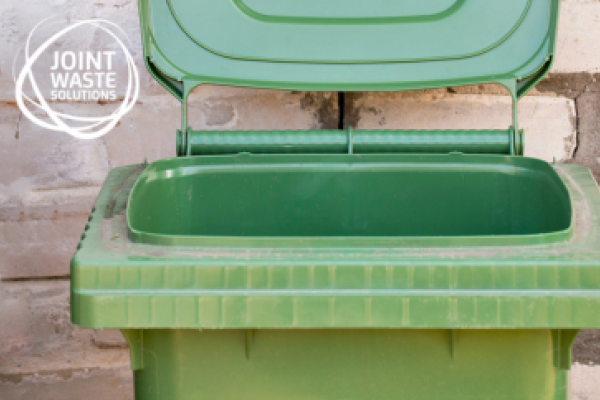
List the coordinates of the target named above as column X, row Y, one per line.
column 77, row 75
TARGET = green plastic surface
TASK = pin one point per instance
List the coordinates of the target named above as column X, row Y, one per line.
column 295, row 200
column 350, row 142
column 280, row 32
column 367, row 282
column 497, row 318
column 348, row 364
column 348, row 46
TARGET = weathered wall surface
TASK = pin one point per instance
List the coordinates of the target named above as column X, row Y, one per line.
column 48, row 181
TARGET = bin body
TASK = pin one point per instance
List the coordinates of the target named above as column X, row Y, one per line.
column 351, row 265
column 343, row 317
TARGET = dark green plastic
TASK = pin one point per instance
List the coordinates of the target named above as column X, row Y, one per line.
column 354, row 200
column 354, row 265
column 349, row 142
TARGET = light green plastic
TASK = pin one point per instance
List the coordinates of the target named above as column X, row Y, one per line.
column 356, row 364
column 346, row 33
column 353, row 265
column 485, row 310
column 350, row 45
column 117, row 283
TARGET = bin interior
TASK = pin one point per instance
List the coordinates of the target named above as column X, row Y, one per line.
column 349, row 195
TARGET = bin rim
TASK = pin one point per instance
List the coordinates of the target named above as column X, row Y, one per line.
column 119, row 284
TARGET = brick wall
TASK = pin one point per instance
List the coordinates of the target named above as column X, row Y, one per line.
column 48, row 181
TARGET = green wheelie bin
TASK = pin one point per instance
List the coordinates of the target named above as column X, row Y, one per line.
column 345, row 264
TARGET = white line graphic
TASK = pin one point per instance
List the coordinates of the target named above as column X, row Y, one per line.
column 91, row 127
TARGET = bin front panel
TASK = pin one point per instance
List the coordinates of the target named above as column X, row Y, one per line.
column 348, row 364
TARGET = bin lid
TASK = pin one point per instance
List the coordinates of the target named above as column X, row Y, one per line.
column 348, row 45
column 348, row 31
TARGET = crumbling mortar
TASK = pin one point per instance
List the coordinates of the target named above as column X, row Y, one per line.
column 38, row 278
column 577, row 116
column 17, row 133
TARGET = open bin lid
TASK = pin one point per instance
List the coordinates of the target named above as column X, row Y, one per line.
column 348, row 45
column 342, row 31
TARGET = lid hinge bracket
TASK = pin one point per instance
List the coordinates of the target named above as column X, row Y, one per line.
column 350, row 141
column 516, row 141
column 183, row 135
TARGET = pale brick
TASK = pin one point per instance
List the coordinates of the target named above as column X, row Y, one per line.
column 584, row 382
column 39, row 337
column 550, row 127
column 33, row 158
column 549, row 123
column 93, row 384
column 43, row 356
column 47, row 187
column 42, row 247
column 38, row 235
column 578, row 37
